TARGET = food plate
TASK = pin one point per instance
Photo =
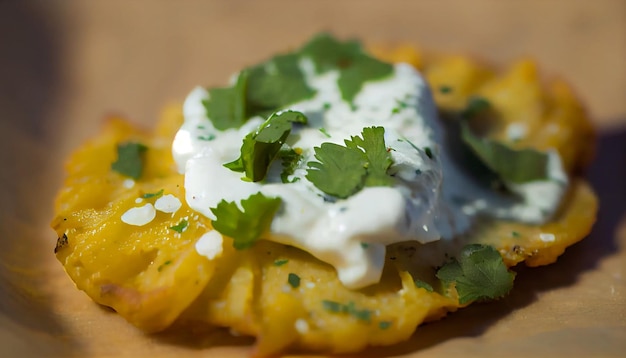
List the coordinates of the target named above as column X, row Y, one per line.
column 573, row 307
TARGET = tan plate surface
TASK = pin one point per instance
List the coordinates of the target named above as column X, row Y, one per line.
column 63, row 65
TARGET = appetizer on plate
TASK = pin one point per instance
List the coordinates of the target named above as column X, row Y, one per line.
column 328, row 198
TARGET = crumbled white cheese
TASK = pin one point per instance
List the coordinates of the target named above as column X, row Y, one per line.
column 128, row 183
column 302, row 326
column 138, row 201
column 547, row 237
column 210, row 245
column 516, row 131
column 139, row 216
column 168, row 204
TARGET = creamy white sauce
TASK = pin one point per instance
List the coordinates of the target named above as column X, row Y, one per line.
column 210, row 245
column 420, row 206
column 139, row 216
column 168, row 204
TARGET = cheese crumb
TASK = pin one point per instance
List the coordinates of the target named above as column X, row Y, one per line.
column 139, row 216
column 210, row 245
column 128, row 183
column 168, row 204
column 302, row 326
column 516, row 131
column 547, row 237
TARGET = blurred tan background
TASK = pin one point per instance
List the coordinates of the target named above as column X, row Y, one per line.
column 65, row 64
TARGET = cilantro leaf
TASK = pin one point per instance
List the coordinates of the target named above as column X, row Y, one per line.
column 479, row 273
column 424, row 285
column 260, row 147
column 511, row 165
column 293, row 280
column 157, row 194
column 343, row 171
column 245, row 227
column 340, row 171
column 180, row 227
column 130, row 159
column 280, row 262
column 349, row 308
column 354, row 65
column 274, row 84
column 475, row 106
column 378, row 158
column 290, row 160
column 226, row 107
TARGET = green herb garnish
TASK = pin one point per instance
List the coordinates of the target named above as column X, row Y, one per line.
column 130, row 157
column 511, row 165
column 293, row 280
column 245, row 227
column 475, row 106
column 365, row 245
column 206, row 138
column 354, row 65
column 336, row 161
column 274, row 84
column 226, row 107
column 364, row 161
column 180, row 227
column 324, row 132
column 158, row 194
column 162, row 266
column 280, row 262
column 260, row 147
column 445, row 89
column 478, row 274
column 383, row 325
column 424, row 285
column 350, row 308
column 290, row 159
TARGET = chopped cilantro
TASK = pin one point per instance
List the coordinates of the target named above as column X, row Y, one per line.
column 475, row 106
column 511, row 165
column 424, row 285
column 280, row 262
column 384, row 325
column 245, row 227
column 350, row 308
column 429, row 152
column 158, row 194
column 515, row 234
column 365, row 245
column 354, row 65
column 378, row 158
column 226, row 107
column 332, row 306
column 180, row 227
column 290, row 159
column 293, row 280
column 445, row 89
column 362, row 162
column 324, row 132
column 206, row 138
column 274, row 84
column 130, row 157
column 260, row 147
column 336, row 161
column 478, row 273
column 327, row 105
column 162, row 266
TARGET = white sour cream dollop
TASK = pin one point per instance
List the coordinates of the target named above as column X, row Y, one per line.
column 352, row 234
